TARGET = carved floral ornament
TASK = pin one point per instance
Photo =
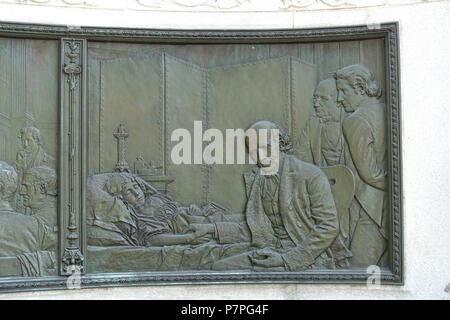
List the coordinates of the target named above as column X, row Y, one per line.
column 186, row 5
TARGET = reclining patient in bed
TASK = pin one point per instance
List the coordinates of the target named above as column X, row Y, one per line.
column 124, row 210
column 133, row 227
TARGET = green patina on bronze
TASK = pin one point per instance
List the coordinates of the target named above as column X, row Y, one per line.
column 87, row 182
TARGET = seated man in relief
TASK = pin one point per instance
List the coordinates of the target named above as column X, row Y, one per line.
column 24, row 237
column 291, row 215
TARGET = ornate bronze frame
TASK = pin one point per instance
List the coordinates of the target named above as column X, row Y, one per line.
column 73, row 150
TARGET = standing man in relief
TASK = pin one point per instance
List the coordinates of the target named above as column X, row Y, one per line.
column 321, row 141
column 32, row 153
column 365, row 133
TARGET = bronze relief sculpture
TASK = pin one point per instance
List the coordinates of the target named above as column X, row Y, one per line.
column 108, row 201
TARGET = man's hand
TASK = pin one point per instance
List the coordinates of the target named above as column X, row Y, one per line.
column 201, row 229
column 267, row 258
column 199, row 239
column 193, row 210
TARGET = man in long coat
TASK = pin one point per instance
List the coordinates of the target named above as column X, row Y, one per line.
column 365, row 132
column 291, row 215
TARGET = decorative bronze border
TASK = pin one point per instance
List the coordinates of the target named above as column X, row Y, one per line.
column 73, row 153
column 73, row 150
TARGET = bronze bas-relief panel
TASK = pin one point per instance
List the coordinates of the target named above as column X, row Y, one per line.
column 29, row 149
column 128, row 213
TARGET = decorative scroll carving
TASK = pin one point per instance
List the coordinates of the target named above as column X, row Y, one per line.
column 217, row 5
column 81, row 2
column 71, row 179
column 326, row 3
column 138, row 4
column 338, row 4
column 90, row 3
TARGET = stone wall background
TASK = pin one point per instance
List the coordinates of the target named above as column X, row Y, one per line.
column 425, row 81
